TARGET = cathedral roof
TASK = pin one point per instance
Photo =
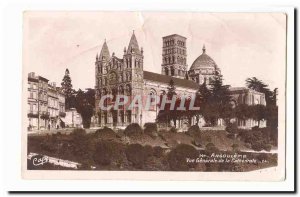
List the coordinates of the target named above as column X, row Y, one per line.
column 150, row 76
column 104, row 52
column 203, row 61
column 243, row 89
column 133, row 45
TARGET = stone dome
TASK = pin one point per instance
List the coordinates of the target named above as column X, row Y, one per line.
column 203, row 61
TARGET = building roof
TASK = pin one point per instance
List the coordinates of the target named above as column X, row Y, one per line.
column 150, row 76
column 243, row 89
column 33, row 79
column 133, row 45
column 203, row 61
column 174, row 35
column 43, row 79
column 104, row 52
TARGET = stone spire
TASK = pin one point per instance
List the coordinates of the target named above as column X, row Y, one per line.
column 203, row 49
column 104, row 54
column 133, row 46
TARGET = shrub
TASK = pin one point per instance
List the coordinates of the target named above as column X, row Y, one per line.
column 136, row 154
column 106, row 133
column 125, row 140
column 148, row 150
column 264, row 156
column 177, row 158
column 252, row 137
column 163, row 131
column 150, row 127
column 194, row 129
column 173, row 130
column 267, row 147
column 230, row 136
column 258, row 135
column 85, row 165
column 211, row 148
column 197, row 142
column 232, row 128
column 247, row 145
column 206, row 138
column 235, row 147
column 48, row 146
column 158, row 151
column 105, row 152
column 133, row 128
column 255, row 128
column 78, row 132
column 161, row 135
column 257, row 146
column 104, row 129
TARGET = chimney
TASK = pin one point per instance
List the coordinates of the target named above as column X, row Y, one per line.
column 31, row 74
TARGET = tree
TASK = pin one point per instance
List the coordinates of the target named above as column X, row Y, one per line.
column 171, row 89
column 166, row 114
column 218, row 105
column 273, row 97
column 242, row 111
column 255, row 84
column 272, row 121
column 259, row 86
column 219, row 93
column 271, row 109
column 66, row 87
column 202, row 97
column 258, row 112
column 85, row 103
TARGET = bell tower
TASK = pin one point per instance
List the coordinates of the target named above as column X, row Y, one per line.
column 133, row 66
column 174, row 56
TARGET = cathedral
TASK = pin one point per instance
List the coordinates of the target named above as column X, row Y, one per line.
column 126, row 76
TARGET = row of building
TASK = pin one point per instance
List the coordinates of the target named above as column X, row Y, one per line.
column 46, row 105
column 126, row 75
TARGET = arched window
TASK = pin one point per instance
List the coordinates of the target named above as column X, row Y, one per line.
column 152, row 95
column 100, row 83
column 128, row 90
column 166, row 71
column 114, row 93
column 129, row 76
column 104, row 92
column 172, row 71
column 113, row 78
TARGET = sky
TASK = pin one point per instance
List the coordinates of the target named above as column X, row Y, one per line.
column 242, row 44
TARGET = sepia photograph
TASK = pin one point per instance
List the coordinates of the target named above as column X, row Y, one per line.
column 154, row 92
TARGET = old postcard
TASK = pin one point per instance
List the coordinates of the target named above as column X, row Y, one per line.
column 154, row 95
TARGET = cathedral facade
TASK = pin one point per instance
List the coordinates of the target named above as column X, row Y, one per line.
column 126, row 76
